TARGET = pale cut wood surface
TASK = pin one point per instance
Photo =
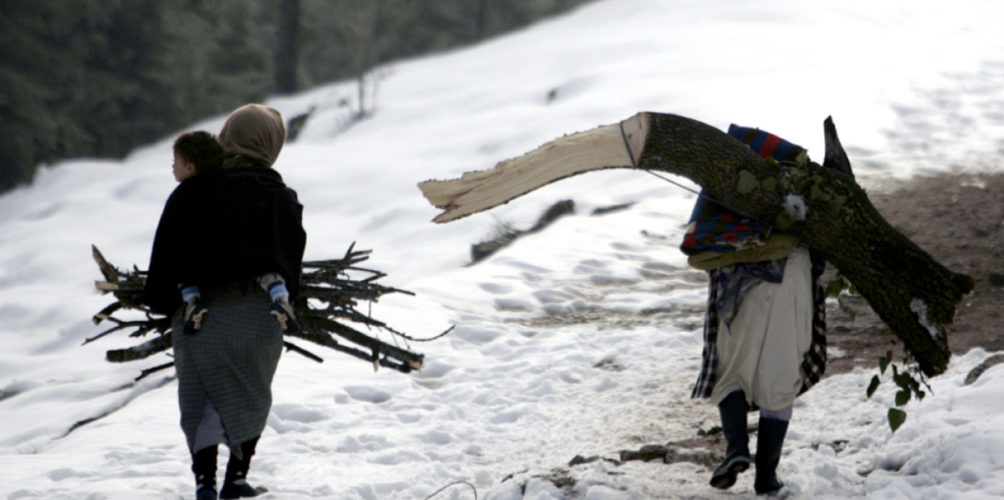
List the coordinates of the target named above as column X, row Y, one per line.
column 600, row 148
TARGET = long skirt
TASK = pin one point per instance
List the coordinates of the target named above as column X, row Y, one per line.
column 762, row 352
column 225, row 370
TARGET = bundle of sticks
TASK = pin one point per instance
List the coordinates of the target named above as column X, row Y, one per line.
column 328, row 306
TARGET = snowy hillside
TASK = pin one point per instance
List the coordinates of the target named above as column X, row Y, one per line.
column 583, row 339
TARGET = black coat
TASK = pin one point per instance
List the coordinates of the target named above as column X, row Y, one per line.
column 217, row 229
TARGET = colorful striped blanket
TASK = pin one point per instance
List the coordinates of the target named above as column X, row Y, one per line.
column 714, row 228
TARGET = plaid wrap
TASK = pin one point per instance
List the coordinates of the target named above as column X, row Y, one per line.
column 716, row 228
column 813, row 362
column 231, row 362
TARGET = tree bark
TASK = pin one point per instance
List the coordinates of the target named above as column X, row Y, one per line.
column 153, row 346
column 287, row 50
column 913, row 294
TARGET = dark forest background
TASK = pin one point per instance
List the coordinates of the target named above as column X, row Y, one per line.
column 96, row 78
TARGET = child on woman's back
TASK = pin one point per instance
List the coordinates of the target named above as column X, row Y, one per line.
column 199, row 153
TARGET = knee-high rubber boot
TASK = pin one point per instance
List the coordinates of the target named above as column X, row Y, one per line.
column 235, row 483
column 204, row 468
column 770, row 438
column 733, row 410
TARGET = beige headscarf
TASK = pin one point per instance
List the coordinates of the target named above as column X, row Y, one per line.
column 255, row 131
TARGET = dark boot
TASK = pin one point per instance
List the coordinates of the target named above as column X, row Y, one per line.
column 235, row 484
column 204, row 468
column 737, row 453
column 768, row 453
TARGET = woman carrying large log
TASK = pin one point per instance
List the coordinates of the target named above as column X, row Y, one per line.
column 235, row 227
column 765, row 326
column 822, row 205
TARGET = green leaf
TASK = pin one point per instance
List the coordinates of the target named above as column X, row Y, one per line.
column 815, row 193
column 902, row 397
column 836, row 203
column 906, row 381
column 768, row 184
column 747, row 182
column 783, row 221
column 896, row 418
column 884, row 361
column 873, row 385
column 835, row 286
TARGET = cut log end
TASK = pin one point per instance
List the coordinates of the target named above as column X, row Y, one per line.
column 635, row 132
column 608, row 146
column 105, row 286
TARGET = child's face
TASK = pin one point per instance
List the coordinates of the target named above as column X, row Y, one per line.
column 183, row 168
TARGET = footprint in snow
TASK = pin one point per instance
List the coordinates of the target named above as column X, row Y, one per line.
column 369, row 394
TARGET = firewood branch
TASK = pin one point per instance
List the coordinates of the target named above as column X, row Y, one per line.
column 330, row 296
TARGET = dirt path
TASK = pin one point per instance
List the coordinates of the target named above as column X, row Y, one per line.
column 958, row 219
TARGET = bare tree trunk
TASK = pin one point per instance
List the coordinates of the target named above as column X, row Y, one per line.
column 481, row 20
column 359, row 27
column 287, row 51
column 914, row 294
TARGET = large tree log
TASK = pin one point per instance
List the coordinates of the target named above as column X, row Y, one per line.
column 914, row 294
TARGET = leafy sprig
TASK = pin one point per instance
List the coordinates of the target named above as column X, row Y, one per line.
column 909, row 380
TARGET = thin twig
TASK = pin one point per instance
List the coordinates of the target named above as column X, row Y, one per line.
column 299, row 350
column 455, row 483
column 153, row 369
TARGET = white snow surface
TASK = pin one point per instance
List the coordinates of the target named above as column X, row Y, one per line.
column 583, row 339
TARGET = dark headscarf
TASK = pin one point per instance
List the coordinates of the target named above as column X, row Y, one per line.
column 254, row 131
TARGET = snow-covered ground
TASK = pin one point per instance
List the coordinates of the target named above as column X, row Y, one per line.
column 583, row 339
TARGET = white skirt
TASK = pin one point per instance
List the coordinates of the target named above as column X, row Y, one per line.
column 762, row 353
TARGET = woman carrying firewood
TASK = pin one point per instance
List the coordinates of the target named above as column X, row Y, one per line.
column 220, row 235
column 764, row 330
